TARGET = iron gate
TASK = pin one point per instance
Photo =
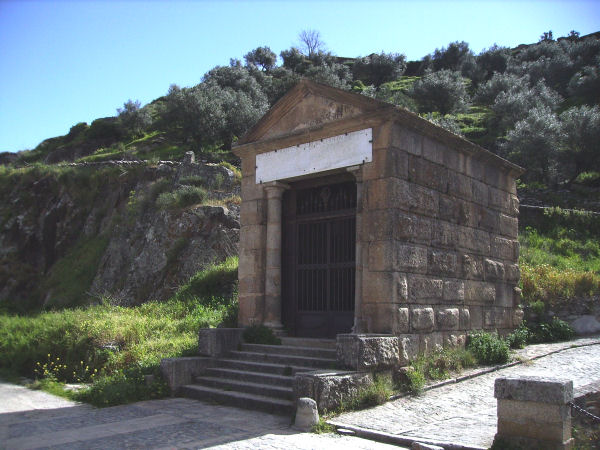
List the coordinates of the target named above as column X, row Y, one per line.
column 319, row 259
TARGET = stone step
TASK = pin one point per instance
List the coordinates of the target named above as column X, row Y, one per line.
column 238, row 399
column 268, row 368
column 286, row 393
column 309, row 342
column 251, row 377
column 291, row 350
column 288, row 360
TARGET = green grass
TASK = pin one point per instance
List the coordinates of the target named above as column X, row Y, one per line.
column 403, row 84
column 113, row 347
column 560, row 258
column 71, row 276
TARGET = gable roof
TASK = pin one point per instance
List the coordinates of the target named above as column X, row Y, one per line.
column 355, row 106
column 297, row 94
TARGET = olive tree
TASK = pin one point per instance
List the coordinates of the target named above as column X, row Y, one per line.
column 134, row 118
column 581, row 140
column 379, row 68
column 514, row 104
column 534, row 143
column 261, row 57
column 443, row 91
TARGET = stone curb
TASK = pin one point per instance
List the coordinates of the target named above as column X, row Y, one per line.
column 389, row 438
column 493, row 369
column 395, row 439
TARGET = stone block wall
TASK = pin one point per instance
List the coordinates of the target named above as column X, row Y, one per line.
column 439, row 238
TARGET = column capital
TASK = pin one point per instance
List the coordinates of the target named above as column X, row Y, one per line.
column 357, row 172
column 275, row 188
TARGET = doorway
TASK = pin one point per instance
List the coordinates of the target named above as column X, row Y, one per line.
column 319, row 244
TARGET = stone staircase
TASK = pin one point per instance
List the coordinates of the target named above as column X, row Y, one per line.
column 260, row 376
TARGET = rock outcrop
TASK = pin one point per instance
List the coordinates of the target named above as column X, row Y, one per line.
column 71, row 235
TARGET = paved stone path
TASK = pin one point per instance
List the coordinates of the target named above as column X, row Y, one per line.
column 36, row 420
column 464, row 413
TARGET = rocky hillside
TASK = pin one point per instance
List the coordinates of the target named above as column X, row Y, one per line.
column 128, row 232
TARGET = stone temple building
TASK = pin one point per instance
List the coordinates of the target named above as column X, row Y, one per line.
column 361, row 218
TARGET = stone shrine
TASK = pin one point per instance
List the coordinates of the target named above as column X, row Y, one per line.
column 360, row 219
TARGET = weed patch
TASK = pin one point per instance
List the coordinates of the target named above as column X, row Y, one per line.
column 323, row 427
column 181, row 198
column 488, row 348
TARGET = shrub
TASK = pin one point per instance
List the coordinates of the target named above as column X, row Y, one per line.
column 544, row 285
column 554, row 331
column 519, row 338
column 488, row 348
column 416, row 382
column 260, row 334
column 182, row 197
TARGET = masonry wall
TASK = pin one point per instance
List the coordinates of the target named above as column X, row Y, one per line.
column 439, row 239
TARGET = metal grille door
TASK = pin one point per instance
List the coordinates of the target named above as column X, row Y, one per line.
column 319, row 258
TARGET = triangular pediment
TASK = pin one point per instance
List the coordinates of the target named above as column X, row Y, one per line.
column 308, row 105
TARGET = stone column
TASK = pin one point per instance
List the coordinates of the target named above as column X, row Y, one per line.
column 533, row 412
column 358, row 319
column 273, row 263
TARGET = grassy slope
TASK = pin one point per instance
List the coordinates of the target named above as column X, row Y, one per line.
column 113, row 346
column 560, row 258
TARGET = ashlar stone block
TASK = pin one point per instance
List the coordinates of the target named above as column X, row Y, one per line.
column 407, row 140
column 442, row 263
column 385, row 193
column 509, row 226
column 447, row 318
column 454, row 291
column 410, row 258
column 385, row 287
column 460, row 186
column 504, row 248
column 423, row 200
column 479, row 192
column 512, row 273
column 433, row 150
column 472, row 267
column 424, row 289
column 422, row 319
column 493, row 270
column 479, row 292
column 431, row 342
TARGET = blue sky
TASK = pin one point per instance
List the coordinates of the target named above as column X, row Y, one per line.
column 67, row 62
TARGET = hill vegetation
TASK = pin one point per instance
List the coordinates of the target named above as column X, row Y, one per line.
column 536, row 105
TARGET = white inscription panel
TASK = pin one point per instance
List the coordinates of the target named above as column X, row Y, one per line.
column 335, row 152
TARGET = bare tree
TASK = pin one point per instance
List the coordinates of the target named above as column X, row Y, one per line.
column 311, row 42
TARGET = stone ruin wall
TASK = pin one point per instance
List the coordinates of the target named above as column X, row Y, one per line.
column 439, row 238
